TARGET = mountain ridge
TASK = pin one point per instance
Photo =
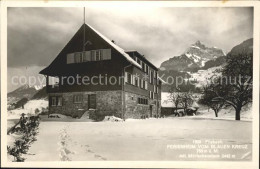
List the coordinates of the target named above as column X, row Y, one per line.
column 25, row 91
column 194, row 57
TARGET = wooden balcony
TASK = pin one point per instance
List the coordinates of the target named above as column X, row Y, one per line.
column 53, row 88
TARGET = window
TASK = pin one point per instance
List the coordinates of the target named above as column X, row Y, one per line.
column 142, row 83
column 154, row 89
column 59, row 101
column 143, row 65
column 78, row 57
column 98, row 55
column 56, row 100
column 146, row 85
column 151, row 76
column 137, row 82
column 128, row 77
column 134, row 80
column 135, row 58
column 138, row 61
column 151, row 94
column 93, row 55
column 53, row 101
column 86, row 56
column 78, row 98
column 157, row 81
column 142, row 101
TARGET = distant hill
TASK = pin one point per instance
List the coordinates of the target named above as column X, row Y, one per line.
column 25, row 91
column 41, row 94
column 244, row 47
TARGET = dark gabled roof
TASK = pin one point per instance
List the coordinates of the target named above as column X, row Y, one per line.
column 59, row 66
column 140, row 56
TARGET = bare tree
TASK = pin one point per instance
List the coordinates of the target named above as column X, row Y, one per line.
column 175, row 98
column 207, row 99
column 234, row 88
column 186, row 100
column 181, row 98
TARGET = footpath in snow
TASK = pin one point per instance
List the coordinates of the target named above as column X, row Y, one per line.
column 150, row 139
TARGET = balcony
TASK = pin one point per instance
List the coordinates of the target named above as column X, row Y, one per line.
column 53, row 88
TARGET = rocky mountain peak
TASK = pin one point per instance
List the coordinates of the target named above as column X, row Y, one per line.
column 199, row 44
column 194, row 57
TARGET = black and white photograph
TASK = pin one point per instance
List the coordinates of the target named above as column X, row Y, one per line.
column 99, row 82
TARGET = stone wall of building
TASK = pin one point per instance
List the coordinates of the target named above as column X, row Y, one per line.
column 135, row 110
column 110, row 102
column 106, row 102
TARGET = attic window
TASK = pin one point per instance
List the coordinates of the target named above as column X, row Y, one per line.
column 78, row 57
column 87, row 56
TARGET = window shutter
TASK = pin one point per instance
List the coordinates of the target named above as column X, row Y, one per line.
column 93, row 55
column 70, row 58
column 77, row 57
column 87, row 56
column 106, row 53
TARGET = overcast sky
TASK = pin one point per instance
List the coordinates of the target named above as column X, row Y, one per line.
column 37, row 35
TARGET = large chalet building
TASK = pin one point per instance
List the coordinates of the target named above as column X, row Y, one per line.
column 130, row 87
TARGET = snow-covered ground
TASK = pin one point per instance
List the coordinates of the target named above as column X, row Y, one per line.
column 225, row 114
column 150, row 139
column 68, row 139
column 29, row 108
column 204, row 112
column 204, row 76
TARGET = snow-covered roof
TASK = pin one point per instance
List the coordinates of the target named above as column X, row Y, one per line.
column 120, row 50
column 166, row 102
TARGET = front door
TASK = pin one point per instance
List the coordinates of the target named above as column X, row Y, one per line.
column 151, row 110
column 92, row 101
